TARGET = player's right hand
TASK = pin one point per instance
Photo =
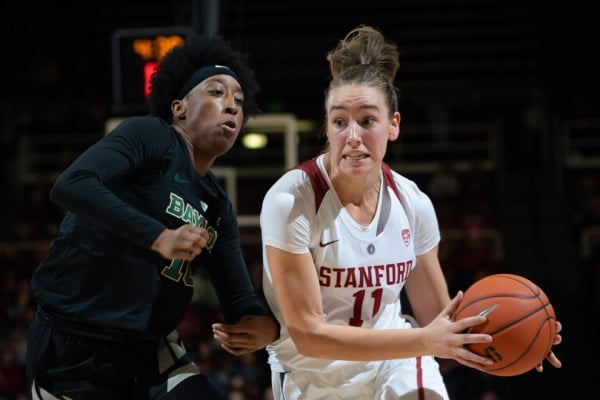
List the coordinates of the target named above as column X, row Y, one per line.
column 446, row 338
column 183, row 243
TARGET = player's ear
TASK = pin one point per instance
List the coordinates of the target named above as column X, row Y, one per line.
column 394, row 127
column 178, row 109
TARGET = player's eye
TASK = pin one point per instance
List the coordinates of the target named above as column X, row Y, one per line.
column 339, row 123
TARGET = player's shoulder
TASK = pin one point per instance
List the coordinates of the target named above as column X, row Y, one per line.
column 294, row 187
column 142, row 122
column 148, row 131
column 298, row 176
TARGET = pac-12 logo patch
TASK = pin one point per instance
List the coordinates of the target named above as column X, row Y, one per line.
column 406, row 236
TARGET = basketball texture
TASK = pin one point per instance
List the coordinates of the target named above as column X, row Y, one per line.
column 519, row 317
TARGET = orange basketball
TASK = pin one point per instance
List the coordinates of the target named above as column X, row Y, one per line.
column 519, row 317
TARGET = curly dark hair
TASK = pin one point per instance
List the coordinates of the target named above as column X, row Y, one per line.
column 183, row 60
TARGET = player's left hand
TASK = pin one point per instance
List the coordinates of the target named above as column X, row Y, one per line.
column 251, row 333
column 551, row 357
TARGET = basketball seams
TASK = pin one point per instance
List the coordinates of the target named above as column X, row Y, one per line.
column 496, row 296
column 524, row 352
column 523, row 326
column 545, row 305
column 519, row 320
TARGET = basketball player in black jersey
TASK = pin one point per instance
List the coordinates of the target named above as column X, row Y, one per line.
column 144, row 212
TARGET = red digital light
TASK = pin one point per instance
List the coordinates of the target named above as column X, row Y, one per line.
column 136, row 54
column 149, row 68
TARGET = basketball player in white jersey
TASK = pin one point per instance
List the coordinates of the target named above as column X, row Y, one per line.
column 342, row 236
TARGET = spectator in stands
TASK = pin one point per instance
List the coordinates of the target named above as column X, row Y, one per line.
column 144, row 213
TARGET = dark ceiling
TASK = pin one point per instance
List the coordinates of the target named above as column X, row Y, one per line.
column 452, row 52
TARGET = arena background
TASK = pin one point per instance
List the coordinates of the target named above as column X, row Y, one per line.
column 500, row 124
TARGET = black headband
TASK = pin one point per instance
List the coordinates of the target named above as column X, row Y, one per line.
column 201, row 74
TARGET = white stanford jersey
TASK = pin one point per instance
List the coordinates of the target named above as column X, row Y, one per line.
column 361, row 270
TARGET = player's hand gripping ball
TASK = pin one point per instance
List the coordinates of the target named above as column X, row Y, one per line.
column 520, row 319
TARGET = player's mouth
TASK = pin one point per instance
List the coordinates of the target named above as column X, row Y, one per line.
column 229, row 128
column 355, row 157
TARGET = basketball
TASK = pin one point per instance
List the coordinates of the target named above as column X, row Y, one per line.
column 520, row 319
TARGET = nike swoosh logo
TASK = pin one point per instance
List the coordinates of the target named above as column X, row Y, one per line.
column 321, row 244
column 487, row 310
column 180, row 179
column 483, row 313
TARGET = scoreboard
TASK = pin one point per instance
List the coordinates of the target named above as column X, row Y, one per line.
column 135, row 55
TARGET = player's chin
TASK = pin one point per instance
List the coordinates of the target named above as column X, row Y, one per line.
column 223, row 146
